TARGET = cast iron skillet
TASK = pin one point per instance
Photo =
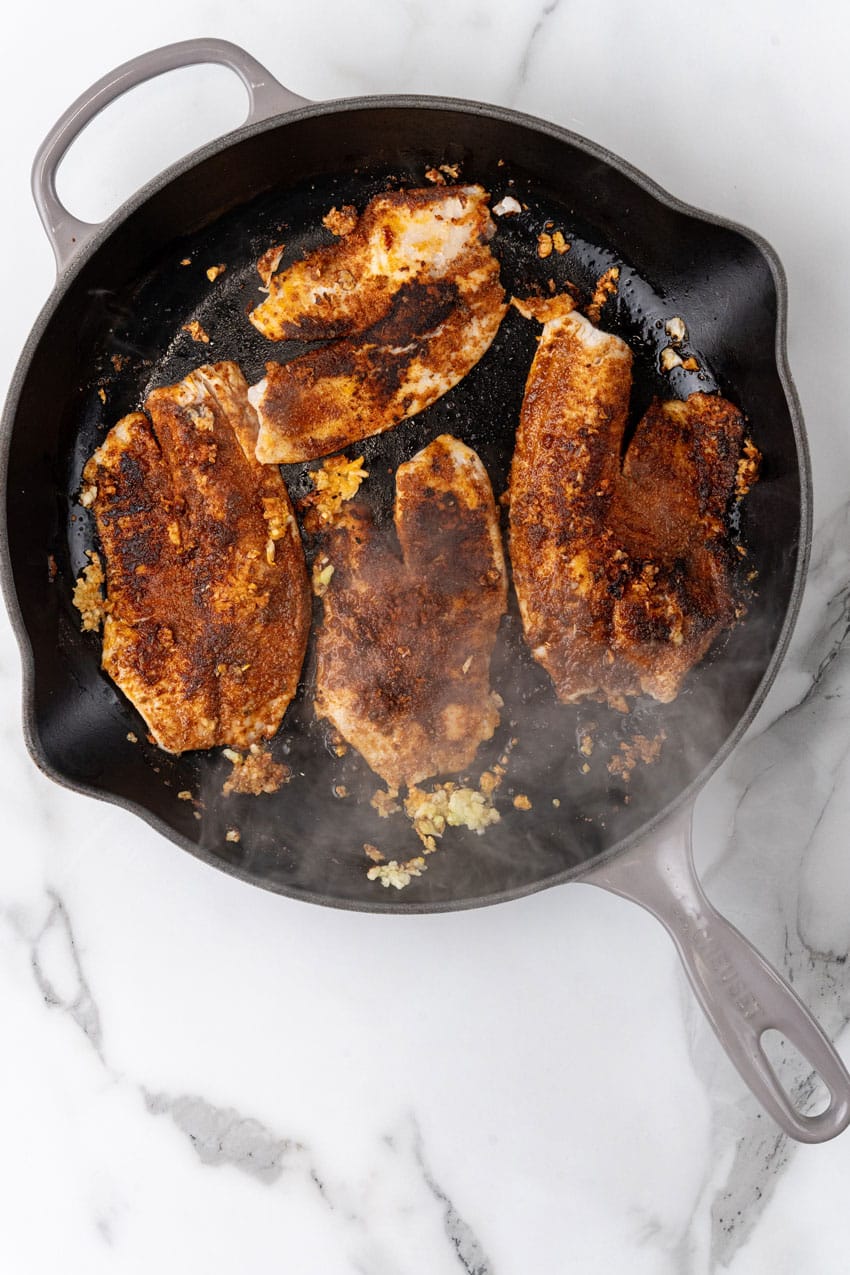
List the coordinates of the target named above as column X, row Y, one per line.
column 113, row 328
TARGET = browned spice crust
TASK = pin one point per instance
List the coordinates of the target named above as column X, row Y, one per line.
column 623, row 570
column 208, row 603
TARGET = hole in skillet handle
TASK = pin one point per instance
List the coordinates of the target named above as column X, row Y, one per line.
column 266, row 97
column 143, row 133
column 806, row 1089
column 743, row 997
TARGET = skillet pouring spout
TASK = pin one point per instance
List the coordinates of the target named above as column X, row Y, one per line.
column 742, row 995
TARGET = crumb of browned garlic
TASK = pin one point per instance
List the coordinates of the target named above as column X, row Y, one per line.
column 101, row 394
column 372, row 852
column 340, row 221
column 648, row 749
column 186, row 261
column 690, row 364
column 544, row 244
column 434, row 175
column 585, row 768
column 269, row 262
column 669, row 359
column 254, row 772
column 385, row 802
column 196, row 814
column 559, row 243
column 676, row 330
column 132, row 737
column 448, row 805
column 323, row 570
column 585, row 745
column 88, row 594
column 337, row 481
column 340, row 791
column 451, row 170
column 606, row 286
column 397, row 874
column 196, row 332
column 748, row 468
column 233, row 834
column 640, row 748
column 214, row 271
column 185, row 795
column 556, row 801
column 521, row 802
column 339, row 477
column 507, row 207
column 279, row 519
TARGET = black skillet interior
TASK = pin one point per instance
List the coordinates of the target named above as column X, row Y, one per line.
column 117, row 330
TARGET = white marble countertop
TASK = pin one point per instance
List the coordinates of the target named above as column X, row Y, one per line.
column 200, row 1076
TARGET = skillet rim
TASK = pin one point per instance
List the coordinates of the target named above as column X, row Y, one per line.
column 107, row 228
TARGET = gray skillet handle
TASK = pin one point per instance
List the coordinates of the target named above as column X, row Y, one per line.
column 741, row 994
column 266, row 97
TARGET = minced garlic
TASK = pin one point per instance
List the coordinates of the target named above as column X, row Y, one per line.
column 676, row 330
column 670, row 359
column 507, row 207
column 255, row 772
column 88, row 594
column 322, row 574
column 340, row 221
column 640, row 748
column 397, row 874
column 449, row 805
column 337, row 481
column 279, row 517
column 606, row 286
column 748, row 468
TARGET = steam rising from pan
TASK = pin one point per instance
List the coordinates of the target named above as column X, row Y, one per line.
column 303, row 840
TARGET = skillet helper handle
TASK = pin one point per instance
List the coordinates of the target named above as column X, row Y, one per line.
column 741, row 994
column 266, row 97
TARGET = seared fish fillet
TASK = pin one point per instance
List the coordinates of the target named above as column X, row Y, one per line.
column 622, row 572
column 402, row 237
column 404, row 649
column 207, row 596
column 332, row 397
